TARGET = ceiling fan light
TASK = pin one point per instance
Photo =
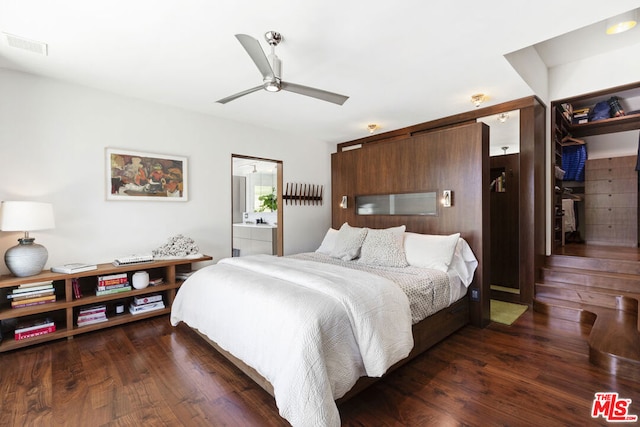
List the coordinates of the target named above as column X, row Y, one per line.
column 621, row 23
column 272, row 86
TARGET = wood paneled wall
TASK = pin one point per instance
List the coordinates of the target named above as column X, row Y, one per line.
column 455, row 159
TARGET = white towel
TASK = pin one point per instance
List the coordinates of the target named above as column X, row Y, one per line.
column 569, row 215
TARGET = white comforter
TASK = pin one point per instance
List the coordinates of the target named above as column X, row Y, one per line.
column 310, row 329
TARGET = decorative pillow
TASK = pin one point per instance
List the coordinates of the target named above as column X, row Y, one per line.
column 430, row 250
column 384, row 248
column 329, row 242
column 348, row 242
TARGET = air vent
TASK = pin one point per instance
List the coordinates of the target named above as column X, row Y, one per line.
column 26, row 44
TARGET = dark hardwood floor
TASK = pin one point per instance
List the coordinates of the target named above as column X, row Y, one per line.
column 599, row 251
column 535, row 372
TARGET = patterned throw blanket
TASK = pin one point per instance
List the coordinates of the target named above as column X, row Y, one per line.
column 428, row 290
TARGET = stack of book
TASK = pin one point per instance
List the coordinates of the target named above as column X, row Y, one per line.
column 34, row 328
column 146, row 303
column 30, row 294
column 157, row 281
column 91, row 315
column 112, row 284
column 580, row 116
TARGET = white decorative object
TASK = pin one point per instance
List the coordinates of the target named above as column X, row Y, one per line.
column 140, row 279
column 178, row 246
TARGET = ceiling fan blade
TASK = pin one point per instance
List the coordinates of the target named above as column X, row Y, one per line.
column 252, row 46
column 314, row 93
column 239, row 94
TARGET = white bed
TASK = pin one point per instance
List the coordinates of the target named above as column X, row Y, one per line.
column 312, row 324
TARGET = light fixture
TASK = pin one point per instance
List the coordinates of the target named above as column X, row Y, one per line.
column 254, row 169
column 372, row 127
column 343, row 202
column 26, row 258
column 502, row 117
column 477, row 99
column 446, row 198
column 621, row 23
column 504, row 149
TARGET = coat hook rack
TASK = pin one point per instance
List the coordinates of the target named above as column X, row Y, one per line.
column 302, row 194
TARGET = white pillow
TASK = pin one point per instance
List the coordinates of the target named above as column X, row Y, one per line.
column 348, row 242
column 464, row 262
column 384, row 248
column 430, row 250
column 329, row 242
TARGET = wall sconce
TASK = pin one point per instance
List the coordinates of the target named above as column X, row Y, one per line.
column 343, row 202
column 502, row 117
column 477, row 99
column 372, row 127
column 446, row 198
column 621, row 23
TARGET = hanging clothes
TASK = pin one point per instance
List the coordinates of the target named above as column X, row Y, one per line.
column 574, row 158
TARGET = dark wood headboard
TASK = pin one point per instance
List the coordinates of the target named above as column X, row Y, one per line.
column 455, row 159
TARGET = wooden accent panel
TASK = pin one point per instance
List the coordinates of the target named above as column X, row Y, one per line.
column 454, row 159
column 505, row 226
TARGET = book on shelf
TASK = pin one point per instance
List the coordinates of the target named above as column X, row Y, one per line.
column 34, row 324
column 157, row 281
column 33, row 301
column 92, row 321
column 109, row 277
column 113, row 291
column 75, row 267
column 35, row 333
column 112, row 286
column 33, row 294
column 31, row 287
column 146, row 299
column 75, row 286
column 133, row 259
column 33, row 284
column 112, row 282
column 144, row 308
column 92, row 314
column 93, row 309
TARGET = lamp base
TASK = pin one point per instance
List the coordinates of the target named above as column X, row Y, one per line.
column 26, row 259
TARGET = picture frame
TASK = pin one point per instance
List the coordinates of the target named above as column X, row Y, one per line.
column 141, row 176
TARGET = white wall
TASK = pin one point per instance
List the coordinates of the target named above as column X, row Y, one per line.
column 53, row 137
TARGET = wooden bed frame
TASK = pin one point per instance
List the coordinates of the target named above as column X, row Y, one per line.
column 456, row 159
column 426, row 333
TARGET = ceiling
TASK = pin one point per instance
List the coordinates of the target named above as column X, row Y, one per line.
column 401, row 63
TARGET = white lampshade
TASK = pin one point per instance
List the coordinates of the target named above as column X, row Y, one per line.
column 26, row 216
column 27, row 258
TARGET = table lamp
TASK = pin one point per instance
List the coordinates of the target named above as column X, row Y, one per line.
column 26, row 258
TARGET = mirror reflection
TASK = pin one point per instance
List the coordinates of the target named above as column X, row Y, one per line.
column 255, row 206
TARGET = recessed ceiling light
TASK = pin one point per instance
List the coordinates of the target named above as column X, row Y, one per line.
column 621, row 23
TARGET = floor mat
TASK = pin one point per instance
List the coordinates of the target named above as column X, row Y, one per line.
column 506, row 312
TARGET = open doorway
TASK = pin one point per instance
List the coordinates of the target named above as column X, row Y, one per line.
column 504, row 152
column 256, row 198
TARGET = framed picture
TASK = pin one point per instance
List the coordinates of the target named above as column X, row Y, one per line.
column 133, row 175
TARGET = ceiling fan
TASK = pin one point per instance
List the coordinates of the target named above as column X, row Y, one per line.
column 271, row 69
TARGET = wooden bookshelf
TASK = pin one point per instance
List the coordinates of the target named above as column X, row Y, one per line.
column 64, row 310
